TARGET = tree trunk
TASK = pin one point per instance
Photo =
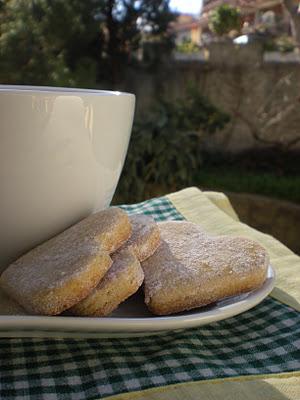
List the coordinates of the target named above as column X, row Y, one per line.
column 112, row 44
column 292, row 9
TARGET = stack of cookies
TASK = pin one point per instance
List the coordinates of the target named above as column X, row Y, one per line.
column 95, row 265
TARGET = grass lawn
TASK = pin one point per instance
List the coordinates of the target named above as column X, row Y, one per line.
column 264, row 183
column 268, row 173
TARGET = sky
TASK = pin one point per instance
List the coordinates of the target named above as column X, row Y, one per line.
column 186, row 6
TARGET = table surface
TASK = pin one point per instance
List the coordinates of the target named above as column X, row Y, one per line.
column 253, row 355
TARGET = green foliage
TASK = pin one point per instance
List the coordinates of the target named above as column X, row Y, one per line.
column 224, row 19
column 75, row 43
column 128, row 23
column 231, row 179
column 165, row 148
column 43, row 41
column 283, row 44
column 187, row 47
column 270, row 184
column 286, row 44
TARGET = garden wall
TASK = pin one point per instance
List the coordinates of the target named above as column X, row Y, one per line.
column 262, row 97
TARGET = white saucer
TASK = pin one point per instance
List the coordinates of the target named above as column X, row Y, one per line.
column 132, row 318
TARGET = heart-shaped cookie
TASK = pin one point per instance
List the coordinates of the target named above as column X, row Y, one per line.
column 125, row 275
column 145, row 237
column 192, row 269
column 62, row 271
column 121, row 281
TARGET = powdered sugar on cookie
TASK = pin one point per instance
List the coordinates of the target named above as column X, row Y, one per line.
column 145, row 237
column 191, row 269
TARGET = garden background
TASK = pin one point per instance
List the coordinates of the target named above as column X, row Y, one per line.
column 218, row 94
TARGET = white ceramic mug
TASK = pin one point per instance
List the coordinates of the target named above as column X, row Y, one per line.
column 61, row 155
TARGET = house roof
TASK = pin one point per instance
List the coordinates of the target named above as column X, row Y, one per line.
column 244, row 5
column 186, row 22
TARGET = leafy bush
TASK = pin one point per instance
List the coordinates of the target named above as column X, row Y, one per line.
column 224, row 19
column 283, row 44
column 39, row 41
column 165, row 148
column 187, row 47
column 76, row 43
column 231, row 178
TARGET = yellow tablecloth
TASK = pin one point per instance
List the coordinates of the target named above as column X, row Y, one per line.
column 215, row 214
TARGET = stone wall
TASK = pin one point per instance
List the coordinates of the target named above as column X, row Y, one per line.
column 263, row 97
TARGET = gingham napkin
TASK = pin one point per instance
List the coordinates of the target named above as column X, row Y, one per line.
column 263, row 340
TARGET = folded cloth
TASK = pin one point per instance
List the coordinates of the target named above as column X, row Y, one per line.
column 214, row 213
column 253, row 355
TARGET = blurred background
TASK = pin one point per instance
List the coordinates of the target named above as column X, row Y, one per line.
column 217, row 85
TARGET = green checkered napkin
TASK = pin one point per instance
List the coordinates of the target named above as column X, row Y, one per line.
column 263, row 340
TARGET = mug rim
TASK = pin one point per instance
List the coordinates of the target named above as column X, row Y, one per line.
column 60, row 90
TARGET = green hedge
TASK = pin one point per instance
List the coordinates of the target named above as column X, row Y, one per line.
column 166, row 154
column 235, row 180
column 165, row 147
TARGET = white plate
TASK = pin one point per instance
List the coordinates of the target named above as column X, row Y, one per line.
column 132, row 318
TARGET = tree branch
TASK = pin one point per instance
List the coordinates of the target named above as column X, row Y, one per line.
column 290, row 6
column 292, row 9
